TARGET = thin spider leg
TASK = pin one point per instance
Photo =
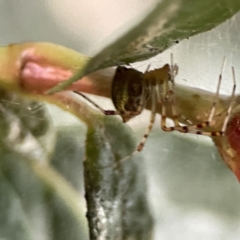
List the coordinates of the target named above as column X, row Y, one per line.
column 214, row 104
column 152, row 119
column 163, row 115
column 143, row 99
column 147, row 68
column 195, row 129
column 111, row 112
column 229, row 110
column 168, row 93
column 216, row 97
column 224, row 126
column 226, row 119
column 173, row 72
column 173, row 68
column 158, row 96
column 186, row 120
column 164, row 96
column 165, row 89
column 172, row 101
column 106, row 112
column 149, row 128
column 171, row 62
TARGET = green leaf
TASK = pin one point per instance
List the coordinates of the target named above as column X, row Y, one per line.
column 115, row 190
column 169, row 22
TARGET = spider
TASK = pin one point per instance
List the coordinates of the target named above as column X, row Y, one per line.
column 132, row 91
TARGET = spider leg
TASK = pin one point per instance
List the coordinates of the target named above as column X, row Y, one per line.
column 171, row 95
column 112, row 112
column 149, row 128
column 226, row 119
column 186, row 120
column 106, row 112
column 173, row 73
column 216, row 97
column 164, row 116
column 214, row 104
column 167, row 94
column 196, row 128
column 152, row 119
column 229, row 110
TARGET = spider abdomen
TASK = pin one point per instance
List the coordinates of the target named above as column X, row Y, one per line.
column 127, row 90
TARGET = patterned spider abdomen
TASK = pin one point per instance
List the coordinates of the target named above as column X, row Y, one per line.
column 127, row 91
